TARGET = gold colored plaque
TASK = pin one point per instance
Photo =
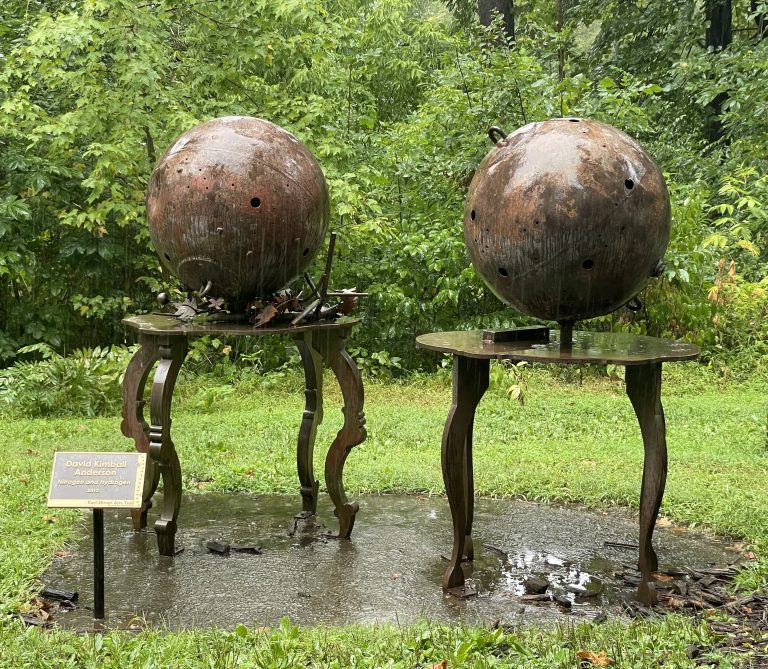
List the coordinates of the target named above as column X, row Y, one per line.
column 97, row 480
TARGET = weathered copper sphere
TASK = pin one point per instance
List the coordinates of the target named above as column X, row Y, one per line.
column 238, row 202
column 566, row 219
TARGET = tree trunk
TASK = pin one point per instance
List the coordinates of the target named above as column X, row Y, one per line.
column 559, row 23
column 720, row 23
column 506, row 8
column 761, row 20
column 559, row 13
column 719, row 35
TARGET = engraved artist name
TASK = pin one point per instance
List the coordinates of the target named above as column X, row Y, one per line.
column 96, row 467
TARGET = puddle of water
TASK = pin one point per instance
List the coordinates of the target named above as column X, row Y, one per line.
column 391, row 570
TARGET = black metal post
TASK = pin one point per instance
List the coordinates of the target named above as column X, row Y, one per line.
column 566, row 335
column 98, row 564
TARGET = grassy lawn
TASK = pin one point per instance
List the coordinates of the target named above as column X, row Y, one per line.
column 569, row 442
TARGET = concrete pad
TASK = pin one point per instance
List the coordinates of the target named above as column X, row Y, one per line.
column 389, row 571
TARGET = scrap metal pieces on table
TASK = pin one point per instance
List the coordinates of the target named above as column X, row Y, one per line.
column 280, row 307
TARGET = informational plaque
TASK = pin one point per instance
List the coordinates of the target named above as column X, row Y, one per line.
column 97, row 480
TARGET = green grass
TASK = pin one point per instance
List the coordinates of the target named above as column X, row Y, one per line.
column 569, row 442
column 636, row 644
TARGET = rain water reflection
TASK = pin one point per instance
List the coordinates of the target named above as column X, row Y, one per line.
column 390, row 571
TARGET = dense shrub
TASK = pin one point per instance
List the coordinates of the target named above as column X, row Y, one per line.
column 84, row 383
column 394, row 98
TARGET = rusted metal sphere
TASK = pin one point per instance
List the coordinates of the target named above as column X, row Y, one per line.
column 566, row 219
column 240, row 203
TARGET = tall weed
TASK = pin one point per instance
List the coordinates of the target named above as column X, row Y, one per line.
column 85, row 383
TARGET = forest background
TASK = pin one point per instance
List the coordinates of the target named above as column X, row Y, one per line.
column 394, row 97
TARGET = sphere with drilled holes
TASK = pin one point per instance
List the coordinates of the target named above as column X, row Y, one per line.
column 566, row 219
column 238, row 202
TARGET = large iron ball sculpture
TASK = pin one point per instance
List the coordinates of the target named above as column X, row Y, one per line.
column 566, row 219
column 237, row 205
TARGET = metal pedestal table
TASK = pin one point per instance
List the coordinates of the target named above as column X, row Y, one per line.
column 642, row 356
column 164, row 340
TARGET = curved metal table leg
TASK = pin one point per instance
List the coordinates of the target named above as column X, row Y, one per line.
column 171, row 353
column 469, row 494
column 134, row 426
column 644, row 391
column 352, row 432
column 470, row 381
column 312, row 417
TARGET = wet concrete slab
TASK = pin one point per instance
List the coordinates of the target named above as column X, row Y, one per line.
column 390, row 570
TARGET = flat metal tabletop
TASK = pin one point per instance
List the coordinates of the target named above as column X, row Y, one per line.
column 612, row 348
column 168, row 325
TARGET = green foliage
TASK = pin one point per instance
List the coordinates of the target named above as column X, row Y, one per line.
column 85, row 383
column 394, row 98
column 509, row 378
column 741, row 323
column 376, row 364
column 742, row 213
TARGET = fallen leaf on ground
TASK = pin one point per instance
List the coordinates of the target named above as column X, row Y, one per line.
column 598, row 659
column 659, row 576
column 35, row 606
